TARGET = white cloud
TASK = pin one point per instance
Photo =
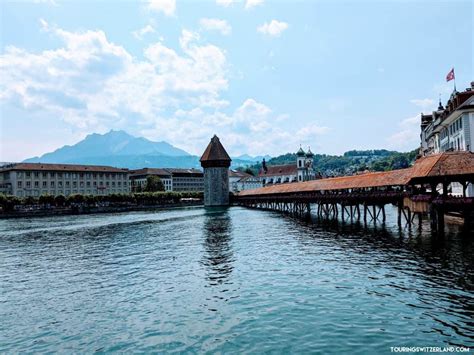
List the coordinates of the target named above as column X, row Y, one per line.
column 250, row 128
column 252, row 3
column 225, row 3
column 427, row 105
column 139, row 34
column 90, row 82
column 214, row 24
column 408, row 135
column 94, row 85
column 274, row 28
column 167, row 7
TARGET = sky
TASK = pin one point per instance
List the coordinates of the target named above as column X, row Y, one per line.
column 265, row 76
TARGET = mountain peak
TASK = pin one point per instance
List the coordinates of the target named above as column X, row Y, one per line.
column 102, row 147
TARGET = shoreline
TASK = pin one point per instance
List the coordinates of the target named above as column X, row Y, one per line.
column 80, row 210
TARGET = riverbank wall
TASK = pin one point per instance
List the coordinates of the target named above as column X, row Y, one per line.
column 78, row 210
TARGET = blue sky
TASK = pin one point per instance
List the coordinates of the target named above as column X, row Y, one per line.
column 266, row 76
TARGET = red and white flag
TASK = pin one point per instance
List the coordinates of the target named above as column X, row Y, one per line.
column 450, row 75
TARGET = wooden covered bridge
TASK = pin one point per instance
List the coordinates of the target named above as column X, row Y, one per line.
column 421, row 190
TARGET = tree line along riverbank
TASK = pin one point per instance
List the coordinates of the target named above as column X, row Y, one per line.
column 45, row 205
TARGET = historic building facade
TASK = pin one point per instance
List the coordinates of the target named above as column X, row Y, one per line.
column 240, row 181
column 186, row 180
column 173, row 179
column 302, row 170
column 36, row 179
column 451, row 127
column 138, row 178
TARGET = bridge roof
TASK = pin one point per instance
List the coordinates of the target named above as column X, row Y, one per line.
column 445, row 164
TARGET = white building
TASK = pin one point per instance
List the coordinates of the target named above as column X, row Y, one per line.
column 302, row 170
column 239, row 181
column 450, row 128
column 173, row 179
column 36, row 179
column 138, row 178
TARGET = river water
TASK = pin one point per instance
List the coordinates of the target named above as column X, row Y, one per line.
column 230, row 280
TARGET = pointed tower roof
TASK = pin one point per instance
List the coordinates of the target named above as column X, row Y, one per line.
column 309, row 153
column 215, row 155
column 300, row 152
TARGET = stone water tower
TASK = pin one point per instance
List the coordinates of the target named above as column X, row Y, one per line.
column 215, row 162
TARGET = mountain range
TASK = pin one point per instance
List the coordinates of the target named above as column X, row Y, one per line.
column 120, row 149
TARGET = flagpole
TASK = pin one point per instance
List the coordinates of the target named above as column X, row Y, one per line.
column 454, row 77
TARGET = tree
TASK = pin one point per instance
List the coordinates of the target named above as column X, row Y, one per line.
column 60, row 200
column 46, row 199
column 153, row 183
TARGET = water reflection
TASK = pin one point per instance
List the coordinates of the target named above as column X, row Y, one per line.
column 443, row 265
column 218, row 257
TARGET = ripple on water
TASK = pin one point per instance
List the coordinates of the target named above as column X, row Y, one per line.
column 226, row 280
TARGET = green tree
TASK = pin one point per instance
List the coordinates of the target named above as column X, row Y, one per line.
column 153, row 184
column 46, row 199
column 60, row 200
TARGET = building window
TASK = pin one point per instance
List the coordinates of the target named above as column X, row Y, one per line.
column 19, row 184
column 37, row 174
column 19, row 174
column 60, row 175
column 60, row 184
column 67, row 183
column 74, row 184
column 44, row 184
column 52, row 175
column 36, row 183
column 52, row 184
column 28, row 174
column 28, row 184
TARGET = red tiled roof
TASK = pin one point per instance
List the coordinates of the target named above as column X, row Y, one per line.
column 237, row 173
column 215, row 152
column 63, row 167
column 277, row 170
column 452, row 163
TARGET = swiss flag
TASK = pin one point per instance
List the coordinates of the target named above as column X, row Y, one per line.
column 450, row 75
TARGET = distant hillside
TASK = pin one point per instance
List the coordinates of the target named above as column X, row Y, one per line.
column 350, row 162
column 120, row 149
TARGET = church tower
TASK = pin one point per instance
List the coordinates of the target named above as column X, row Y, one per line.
column 215, row 162
column 300, row 164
